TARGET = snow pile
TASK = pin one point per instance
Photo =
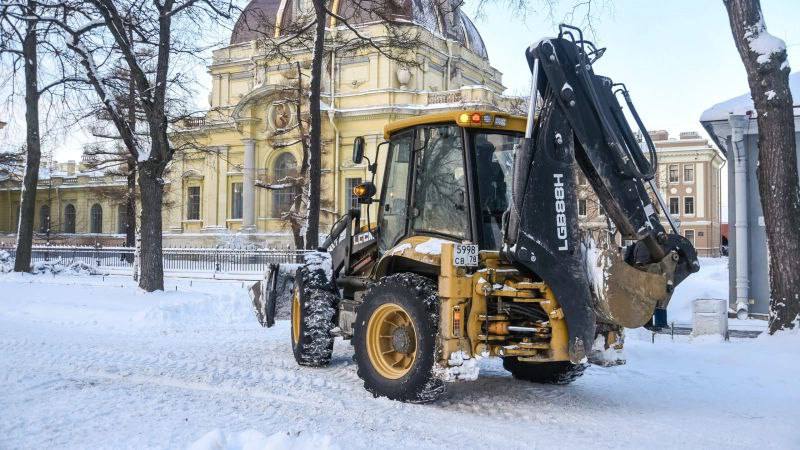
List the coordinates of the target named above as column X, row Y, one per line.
column 6, row 262
column 59, row 266
column 710, row 282
column 254, row 440
column 763, row 43
column 744, row 103
column 432, row 246
column 460, row 368
column 186, row 310
column 316, row 261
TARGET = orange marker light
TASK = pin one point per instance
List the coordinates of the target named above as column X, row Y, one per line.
column 476, row 118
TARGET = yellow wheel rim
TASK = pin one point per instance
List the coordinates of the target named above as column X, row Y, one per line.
column 391, row 341
column 296, row 316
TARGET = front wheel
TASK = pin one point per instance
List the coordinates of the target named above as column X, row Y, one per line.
column 395, row 339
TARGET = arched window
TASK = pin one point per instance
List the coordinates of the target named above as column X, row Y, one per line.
column 69, row 219
column 122, row 219
column 96, row 219
column 285, row 165
column 44, row 218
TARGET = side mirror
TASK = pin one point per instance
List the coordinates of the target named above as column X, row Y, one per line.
column 358, row 150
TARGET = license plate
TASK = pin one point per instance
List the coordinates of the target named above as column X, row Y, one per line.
column 465, row 255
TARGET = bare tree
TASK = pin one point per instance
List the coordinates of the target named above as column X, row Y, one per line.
column 23, row 35
column 11, row 163
column 397, row 41
column 143, row 38
column 765, row 60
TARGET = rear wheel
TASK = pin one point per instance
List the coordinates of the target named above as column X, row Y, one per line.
column 395, row 339
column 557, row 372
column 313, row 311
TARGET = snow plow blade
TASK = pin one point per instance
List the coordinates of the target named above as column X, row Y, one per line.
column 264, row 295
column 625, row 295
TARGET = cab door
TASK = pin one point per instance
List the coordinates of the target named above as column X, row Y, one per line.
column 395, row 191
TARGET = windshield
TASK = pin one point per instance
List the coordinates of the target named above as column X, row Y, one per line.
column 494, row 158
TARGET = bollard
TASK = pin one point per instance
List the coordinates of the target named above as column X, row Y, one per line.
column 709, row 316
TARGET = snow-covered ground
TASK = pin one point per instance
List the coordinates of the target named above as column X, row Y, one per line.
column 90, row 362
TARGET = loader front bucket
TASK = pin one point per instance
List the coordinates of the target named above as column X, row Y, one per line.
column 264, row 296
column 625, row 295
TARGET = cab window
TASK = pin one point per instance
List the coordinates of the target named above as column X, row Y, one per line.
column 440, row 195
column 494, row 158
column 395, row 191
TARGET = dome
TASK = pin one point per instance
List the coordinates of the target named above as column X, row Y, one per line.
column 263, row 17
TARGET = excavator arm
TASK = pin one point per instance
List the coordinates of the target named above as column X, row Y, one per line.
column 580, row 126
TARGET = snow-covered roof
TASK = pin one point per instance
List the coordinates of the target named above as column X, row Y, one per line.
column 742, row 104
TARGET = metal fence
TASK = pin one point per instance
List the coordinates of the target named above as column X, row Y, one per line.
column 216, row 260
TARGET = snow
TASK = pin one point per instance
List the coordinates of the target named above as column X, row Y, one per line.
column 763, row 43
column 432, row 246
column 744, row 103
column 253, row 440
column 92, row 362
column 710, row 282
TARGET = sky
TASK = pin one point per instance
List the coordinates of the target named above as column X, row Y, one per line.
column 677, row 57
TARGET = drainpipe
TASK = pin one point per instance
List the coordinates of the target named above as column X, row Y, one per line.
column 738, row 124
column 331, row 118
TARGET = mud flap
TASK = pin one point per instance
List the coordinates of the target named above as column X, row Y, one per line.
column 264, row 296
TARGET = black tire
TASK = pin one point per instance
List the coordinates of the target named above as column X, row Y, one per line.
column 417, row 297
column 558, row 372
column 311, row 333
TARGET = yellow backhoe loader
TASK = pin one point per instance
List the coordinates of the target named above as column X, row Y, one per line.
column 476, row 250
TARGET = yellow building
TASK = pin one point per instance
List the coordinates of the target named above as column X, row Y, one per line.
column 247, row 134
column 73, row 206
column 244, row 137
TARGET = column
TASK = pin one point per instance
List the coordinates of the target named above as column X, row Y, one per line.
column 248, row 188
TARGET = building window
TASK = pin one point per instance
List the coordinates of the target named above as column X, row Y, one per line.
column 285, row 165
column 673, row 173
column 689, row 235
column 601, row 210
column 96, row 214
column 236, row 201
column 688, row 205
column 122, row 219
column 582, row 207
column 582, row 180
column 352, row 200
column 674, row 206
column 69, row 219
column 688, row 173
column 44, row 219
column 193, row 203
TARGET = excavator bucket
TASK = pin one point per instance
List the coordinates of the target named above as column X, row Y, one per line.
column 622, row 294
column 264, row 296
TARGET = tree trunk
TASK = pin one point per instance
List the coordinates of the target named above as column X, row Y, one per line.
column 315, row 130
column 151, row 255
column 768, row 77
column 22, row 262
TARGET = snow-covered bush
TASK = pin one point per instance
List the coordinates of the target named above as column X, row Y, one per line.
column 6, row 262
column 59, row 266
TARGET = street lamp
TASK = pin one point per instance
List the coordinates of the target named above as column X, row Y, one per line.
column 2, row 124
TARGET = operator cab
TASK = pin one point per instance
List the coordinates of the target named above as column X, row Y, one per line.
column 448, row 175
